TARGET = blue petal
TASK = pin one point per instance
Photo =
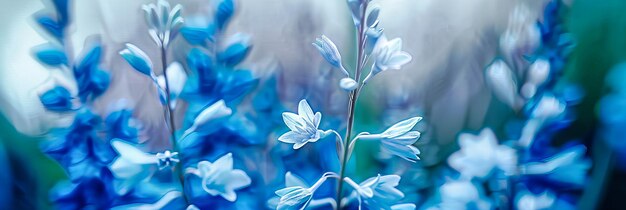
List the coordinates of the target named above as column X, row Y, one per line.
column 50, row 25
column 238, row 84
column 234, row 54
column 50, row 55
column 195, row 36
column 57, row 99
column 224, row 12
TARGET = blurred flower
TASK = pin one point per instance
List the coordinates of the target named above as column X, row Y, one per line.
column 51, row 55
column 526, row 200
column 303, row 126
column 163, row 21
column 89, row 193
column 502, row 82
column 329, row 51
column 537, row 74
column 461, row 195
column 398, row 139
column 134, row 165
column 377, row 192
column 238, row 48
column 166, row 201
column 480, row 154
column 389, row 55
column 548, row 107
column 120, row 124
column 219, row 177
column 58, row 99
column 521, row 37
column 347, row 84
column 568, row 167
column 176, row 77
column 225, row 10
column 205, row 122
column 138, row 59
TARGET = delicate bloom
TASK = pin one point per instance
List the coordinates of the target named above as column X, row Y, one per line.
column 329, row 51
column 569, row 167
column 303, row 126
column 238, row 48
column 377, row 192
column 537, row 74
column 548, row 107
column 522, row 35
column 502, row 82
column 528, row 201
column 205, row 122
column 219, row 177
column 134, row 165
column 389, row 55
column 297, row 194
column 163, row 22
column 480, row 154
column 462, row 194
column 58, row 99
column 138, row 59
column 348, row 84
column 176, row 77
column 398, row 139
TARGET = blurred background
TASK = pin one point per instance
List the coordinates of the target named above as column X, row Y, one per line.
column 452, row 42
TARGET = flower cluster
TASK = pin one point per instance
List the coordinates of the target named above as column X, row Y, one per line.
column 525, row 165
column 377, row 192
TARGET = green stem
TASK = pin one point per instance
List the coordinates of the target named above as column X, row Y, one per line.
column 354, row 95
column 170, row 113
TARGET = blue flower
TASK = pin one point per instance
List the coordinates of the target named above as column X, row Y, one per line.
column 171, row 200
column 568, row 167
column 205, row 122
column 91, row 80
column 51, row 55
column 377, row 192
column 120, row 125
column 225, row 10
column 138, row 59
column 219, row 177
column 90, row 193
column 389, row 55
column 303, row 126
column 236, row 52
column 57, row 99
column 480, row 154
column 329, row 51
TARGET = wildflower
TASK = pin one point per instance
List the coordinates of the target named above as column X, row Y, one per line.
column 138, row 59
column 134, row 165
column 501, row 80
column 568, row 167
column 397, row 139
column 329, row 51
column 219, row 177
column 303, row 126
column 176, row 77
column 348, row 84
column 377, row 192
column 480, row 154
column 296, row 194
column 163, row 21
column 389, row 55
column 205, row 122
column 526, row 200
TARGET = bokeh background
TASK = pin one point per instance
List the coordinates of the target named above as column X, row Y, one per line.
column 451, row 41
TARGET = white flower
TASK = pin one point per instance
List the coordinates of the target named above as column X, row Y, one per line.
column 536, row 75
column 176, row 77
column 297, row 194
column 219, row 177
column 134, row 165
column 376, row 192
column 348, row 84
column 205, row 122
column 459, row 194
column 163, row 23
column 303, row 126
column 526, row 200
column 502, row 82
column 329, row 51
column 480, row 154
column 389, row 55
column 522, row 35
column 397, row 139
